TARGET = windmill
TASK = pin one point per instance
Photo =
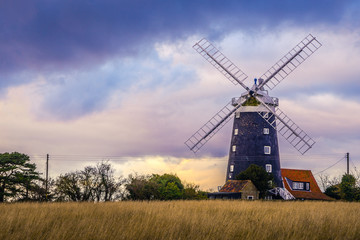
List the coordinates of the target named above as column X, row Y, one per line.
column 257, row 117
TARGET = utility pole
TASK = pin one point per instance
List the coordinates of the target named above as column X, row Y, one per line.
column 347, row 162
column 47, row 177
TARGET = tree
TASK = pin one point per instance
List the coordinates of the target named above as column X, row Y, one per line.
column 106, row 186
column 91, row 184
column 258, row 176
column 326, row 181
column 68, row 187
column 161, row 187
column 140, row 188
column 348, row 189
column 333, row 191
column 17, row 176
column 193, row 192
column 169, row 186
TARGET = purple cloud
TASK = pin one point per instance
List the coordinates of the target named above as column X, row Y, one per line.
column 50, row 37
column 43, row 35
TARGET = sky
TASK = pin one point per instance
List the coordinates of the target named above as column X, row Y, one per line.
column 118, row 81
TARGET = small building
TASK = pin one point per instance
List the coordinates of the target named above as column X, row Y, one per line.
column 302, row 185
column 236, row 189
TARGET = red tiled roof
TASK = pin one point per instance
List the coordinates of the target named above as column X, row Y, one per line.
column 234, row 185
column 303, row 176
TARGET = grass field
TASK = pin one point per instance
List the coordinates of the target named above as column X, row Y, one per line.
column 181, row 220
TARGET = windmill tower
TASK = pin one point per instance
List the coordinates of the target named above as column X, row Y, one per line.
column 257, row 117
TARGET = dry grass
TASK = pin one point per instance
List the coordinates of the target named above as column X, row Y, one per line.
column 181, row 220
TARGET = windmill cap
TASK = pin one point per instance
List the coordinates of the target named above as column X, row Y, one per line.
column 264, row 97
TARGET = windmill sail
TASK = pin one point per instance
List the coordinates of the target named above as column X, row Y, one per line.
column 290, row 61
column 287, row 128
column 209, row 129
column 273, row 115
column 220, row 62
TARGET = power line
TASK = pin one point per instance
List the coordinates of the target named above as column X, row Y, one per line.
column 144, row 158
column 353, row 164
column 83, row 158
column 330, row 166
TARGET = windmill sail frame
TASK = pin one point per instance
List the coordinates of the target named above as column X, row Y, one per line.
column 270, row 79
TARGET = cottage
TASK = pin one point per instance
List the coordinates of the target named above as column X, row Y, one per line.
column 302, row 185
column 236, row 189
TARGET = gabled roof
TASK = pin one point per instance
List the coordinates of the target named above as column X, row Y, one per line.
column 298, row 175
column 234, row 185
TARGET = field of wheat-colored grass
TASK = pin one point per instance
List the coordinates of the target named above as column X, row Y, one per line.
column 181, row 220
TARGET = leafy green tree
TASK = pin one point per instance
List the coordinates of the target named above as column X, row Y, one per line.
column 169, row 186
column 17, row 176
column 193, row 192
column 258, row 176
column 161, row 187
column 140, row 188
column 333, row 191
column 348, row 189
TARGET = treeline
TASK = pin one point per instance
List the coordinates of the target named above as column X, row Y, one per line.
column 20, row 181
column 346, row 188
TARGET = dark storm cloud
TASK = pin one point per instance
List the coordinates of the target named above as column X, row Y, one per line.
column 57, row 38
column 48, row 35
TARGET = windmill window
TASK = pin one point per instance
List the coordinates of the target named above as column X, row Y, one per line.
column 231, row 168
column 307, row 186
column 266, row 131
column 237, row 114
column 236, row 131
column 298, row 186
column 250, row 197
column 234, row 148
column 267, row 149
column 268, row 168
column 230, row 175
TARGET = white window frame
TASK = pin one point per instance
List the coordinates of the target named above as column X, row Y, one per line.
column 236, row 131
column 268, row 168
column 237, row 114
column 307, row 186
column 230, row 175
column 250, row 197
column 267, row 150
column 234, row 148
column 298, row 186
column 231, row 168
column 266, row 131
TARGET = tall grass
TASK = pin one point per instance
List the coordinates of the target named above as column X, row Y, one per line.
column 181, row 220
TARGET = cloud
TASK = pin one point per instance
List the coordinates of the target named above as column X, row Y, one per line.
column 45, row 35
column 159, row 111
column 71, row 94
column 71, row 42
column 326, row 115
